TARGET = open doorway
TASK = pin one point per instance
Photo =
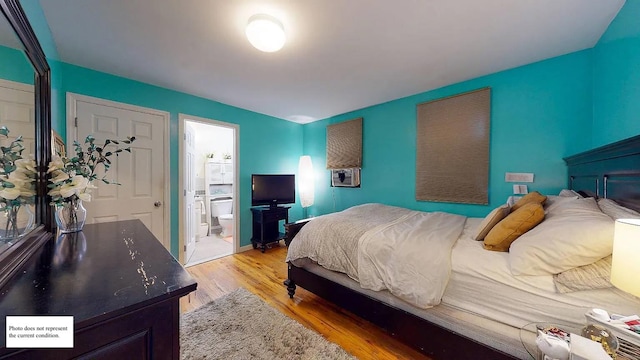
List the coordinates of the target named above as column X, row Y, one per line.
column 209, row 154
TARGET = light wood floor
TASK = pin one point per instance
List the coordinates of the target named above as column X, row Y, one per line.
column 263, row 274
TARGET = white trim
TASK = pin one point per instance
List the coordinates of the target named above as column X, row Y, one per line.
column 245, row 248
column 72, row 134
column 16, row 86
column 182, row 118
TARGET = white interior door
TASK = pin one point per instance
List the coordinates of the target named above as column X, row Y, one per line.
column 17, row 113
column 141, row 173
column 190, row 217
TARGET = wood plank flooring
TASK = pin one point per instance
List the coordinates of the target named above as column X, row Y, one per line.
column 263, row 274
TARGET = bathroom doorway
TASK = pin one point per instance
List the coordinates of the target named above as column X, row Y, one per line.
column 209, row 176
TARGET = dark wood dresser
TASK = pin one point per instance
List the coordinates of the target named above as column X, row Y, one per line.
column 118, row 282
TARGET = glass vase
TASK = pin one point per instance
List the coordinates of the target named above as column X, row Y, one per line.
column 70, row 216
column 69, row 250
column 15, row 222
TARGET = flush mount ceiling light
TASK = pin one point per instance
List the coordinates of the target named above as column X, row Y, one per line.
column 265, row 33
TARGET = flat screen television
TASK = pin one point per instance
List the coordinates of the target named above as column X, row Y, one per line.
column 273, row 189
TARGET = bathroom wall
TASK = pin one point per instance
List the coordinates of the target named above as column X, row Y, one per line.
column 210, row 139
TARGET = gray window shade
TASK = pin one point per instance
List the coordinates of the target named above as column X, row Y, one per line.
column 344, row 145
column 452, row 159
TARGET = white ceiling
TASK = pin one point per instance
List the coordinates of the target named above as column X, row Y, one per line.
column 8, row 37
column 340, row 55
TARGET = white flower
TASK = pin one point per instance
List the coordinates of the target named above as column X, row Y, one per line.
column 10, row 193
column 28, row 165
column 77, row 186
column 59, row 176
column 20, row 175
column 85, row 196
column 55, row 192
column 27, row 192
column 55, row 164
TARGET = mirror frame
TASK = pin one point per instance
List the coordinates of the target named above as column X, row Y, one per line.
column 14, row 257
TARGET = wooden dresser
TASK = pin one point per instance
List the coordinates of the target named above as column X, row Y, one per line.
column 118, row 282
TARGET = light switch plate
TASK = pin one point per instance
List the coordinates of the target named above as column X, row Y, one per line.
column 518, row 177
column 520, row 189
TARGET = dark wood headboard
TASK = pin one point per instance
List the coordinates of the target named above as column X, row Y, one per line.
column 611, row 171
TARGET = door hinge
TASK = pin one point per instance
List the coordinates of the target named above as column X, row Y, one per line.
column 184, row 192
column 184, row 136
column 75, row 121
column 184, row 248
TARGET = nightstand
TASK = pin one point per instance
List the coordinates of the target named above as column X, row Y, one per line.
column 266, row 221
column 291, row 229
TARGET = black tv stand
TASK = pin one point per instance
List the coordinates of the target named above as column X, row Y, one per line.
column 266, row 224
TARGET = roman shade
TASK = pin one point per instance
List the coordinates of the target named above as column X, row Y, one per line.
column 344, row 145
column 452, row 159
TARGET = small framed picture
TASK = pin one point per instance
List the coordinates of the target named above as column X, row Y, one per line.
column 57, row 144
column 345, row 177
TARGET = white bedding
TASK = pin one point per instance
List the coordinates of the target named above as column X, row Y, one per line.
column 482, row 300
column 384, row 247
column 410, row 257
column 481, row 282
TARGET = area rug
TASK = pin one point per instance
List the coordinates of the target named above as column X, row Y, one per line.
column 240, row 325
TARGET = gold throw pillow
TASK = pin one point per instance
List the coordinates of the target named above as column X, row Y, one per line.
column 517, row 223
column 530, row 197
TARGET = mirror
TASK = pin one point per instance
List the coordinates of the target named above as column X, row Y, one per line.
column 17, row 114
column 25, row 108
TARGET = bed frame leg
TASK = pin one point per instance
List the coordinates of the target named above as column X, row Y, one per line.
column 291, row 287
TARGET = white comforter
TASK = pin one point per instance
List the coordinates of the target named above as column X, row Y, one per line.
column 384, row 247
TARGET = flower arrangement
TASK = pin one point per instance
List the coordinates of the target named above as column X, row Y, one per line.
column 72, row 177
column 17, row 187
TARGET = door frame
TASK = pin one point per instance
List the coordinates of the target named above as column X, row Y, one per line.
column 182, row 118
column 14, row 85
column 72, row 133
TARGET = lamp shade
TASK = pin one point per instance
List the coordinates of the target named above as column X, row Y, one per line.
column 305, row 183
column 265, row 33
column 625, row 265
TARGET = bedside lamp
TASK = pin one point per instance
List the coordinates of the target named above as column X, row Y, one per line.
column 305, row 183
column 625, row 265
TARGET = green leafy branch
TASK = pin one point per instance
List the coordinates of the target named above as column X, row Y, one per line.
column 87, row 161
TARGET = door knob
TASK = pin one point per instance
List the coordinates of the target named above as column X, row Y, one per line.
column 157, row 204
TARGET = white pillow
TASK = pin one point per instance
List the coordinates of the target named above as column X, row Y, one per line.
column 617, row 211
column 494, row 217
column 569, row 193
column 574, row 233
column 553, row 201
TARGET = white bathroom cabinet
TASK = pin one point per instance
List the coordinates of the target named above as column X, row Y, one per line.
column 218, row 173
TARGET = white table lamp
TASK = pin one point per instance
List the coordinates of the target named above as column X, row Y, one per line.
column 626, row 256
column 305, row 182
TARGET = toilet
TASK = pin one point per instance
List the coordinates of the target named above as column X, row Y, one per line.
column 221, row 209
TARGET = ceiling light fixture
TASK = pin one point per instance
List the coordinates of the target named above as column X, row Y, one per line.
column 265, row 33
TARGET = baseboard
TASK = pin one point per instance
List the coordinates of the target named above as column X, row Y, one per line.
column 245, row 248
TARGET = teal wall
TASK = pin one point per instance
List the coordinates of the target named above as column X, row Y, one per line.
column 267, row 144
column 40, row 27
column 540, row 113
column 15, row 66
column 616, row 78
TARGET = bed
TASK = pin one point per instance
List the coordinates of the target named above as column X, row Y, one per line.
column 450, row 322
